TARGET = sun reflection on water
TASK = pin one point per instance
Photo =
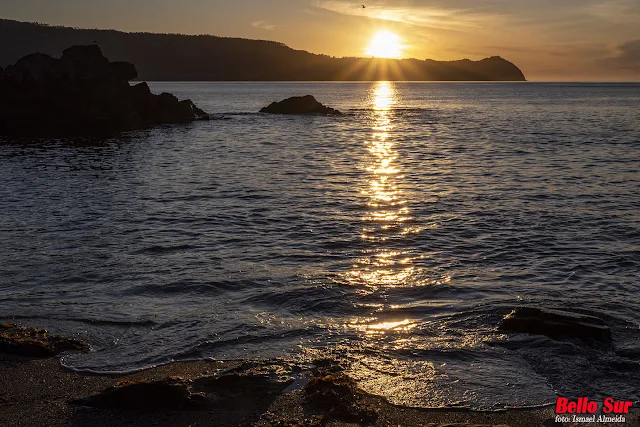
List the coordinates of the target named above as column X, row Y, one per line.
column 384, row 97
column 386, row 261
column 380, row 328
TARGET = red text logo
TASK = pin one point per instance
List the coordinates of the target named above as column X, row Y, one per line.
column 584, row 406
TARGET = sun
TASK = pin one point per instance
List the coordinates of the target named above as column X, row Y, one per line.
column 385, row 44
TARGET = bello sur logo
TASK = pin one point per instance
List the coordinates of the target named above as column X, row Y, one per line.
column 585, row 411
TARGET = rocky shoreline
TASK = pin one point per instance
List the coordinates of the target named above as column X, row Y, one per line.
column 82, row 93
column 37, row 391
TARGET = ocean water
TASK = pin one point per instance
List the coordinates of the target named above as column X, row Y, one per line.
column 395, row 237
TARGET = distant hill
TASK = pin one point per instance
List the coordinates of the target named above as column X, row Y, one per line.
column 175, row 57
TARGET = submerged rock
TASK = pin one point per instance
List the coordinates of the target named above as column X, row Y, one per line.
column 555, row 324
column 82, row 93
column 32, row 342
column 299, row 105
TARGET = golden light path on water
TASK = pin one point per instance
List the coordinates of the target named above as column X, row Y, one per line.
column 390, row 262
column 385, row 262
column 388, row 215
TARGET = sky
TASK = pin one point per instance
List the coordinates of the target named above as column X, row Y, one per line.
column 575, row 40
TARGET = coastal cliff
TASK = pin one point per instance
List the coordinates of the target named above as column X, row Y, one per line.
column 175, row 57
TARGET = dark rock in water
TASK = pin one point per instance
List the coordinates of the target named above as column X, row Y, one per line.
column 555, row 324
column 82, row 93
column 299, row 105
column 169, row 394
column 32, row 342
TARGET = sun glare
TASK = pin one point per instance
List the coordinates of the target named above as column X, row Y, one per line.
column 385, row 44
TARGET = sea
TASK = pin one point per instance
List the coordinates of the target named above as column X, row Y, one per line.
column 393, row 238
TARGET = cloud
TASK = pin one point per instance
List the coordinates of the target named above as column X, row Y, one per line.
column 263, row 25
column 627, row 56
column 458, row 19
column 616, row 11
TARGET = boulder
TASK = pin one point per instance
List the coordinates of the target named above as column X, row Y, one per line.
column 338, row 395
column 168, row 394
column 33, row 70
column 252, row 389
column 299, row 105
column 140, row 93
column 82, row 93
column 83, row 53
column 555, row 324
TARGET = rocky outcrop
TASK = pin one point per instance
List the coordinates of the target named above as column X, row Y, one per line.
column 338, row 395
column 299, row 105
column 329, row 395
column 556, row 324
column 169, row 394
column 254, row 387
column 32, row 342
column 82, row 93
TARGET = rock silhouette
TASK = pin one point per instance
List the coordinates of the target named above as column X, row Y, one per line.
column 299, row 105
column 555, row 324
column 169, row 394
column 81, row 93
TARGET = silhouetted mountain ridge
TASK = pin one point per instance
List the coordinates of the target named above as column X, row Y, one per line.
column 177, row 57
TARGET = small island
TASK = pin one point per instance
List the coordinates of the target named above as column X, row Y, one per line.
column 300, row 105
